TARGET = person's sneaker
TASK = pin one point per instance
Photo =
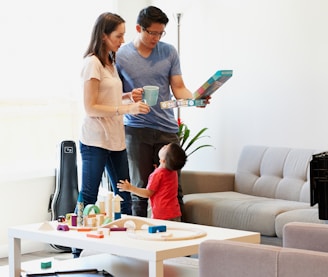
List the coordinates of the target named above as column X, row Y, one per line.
column 76, row 252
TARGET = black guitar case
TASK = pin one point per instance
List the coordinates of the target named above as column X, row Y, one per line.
column 66, row 191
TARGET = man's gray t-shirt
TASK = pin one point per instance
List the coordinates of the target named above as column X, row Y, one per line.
column 137, row 71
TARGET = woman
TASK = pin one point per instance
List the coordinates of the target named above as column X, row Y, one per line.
column 102, row 142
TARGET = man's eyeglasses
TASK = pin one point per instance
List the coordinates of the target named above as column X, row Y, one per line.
column 154, row 34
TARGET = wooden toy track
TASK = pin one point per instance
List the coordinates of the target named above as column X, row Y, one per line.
column 138, row 232
column 123, row 222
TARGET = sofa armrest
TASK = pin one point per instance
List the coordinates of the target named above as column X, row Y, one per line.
column 308, row 236
column 203, row 182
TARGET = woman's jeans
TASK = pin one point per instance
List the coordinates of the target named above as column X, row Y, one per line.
column 94, row 161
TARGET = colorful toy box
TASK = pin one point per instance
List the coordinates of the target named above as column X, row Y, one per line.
column 199, row 96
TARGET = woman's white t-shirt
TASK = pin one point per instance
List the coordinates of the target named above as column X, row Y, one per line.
column 104, row 132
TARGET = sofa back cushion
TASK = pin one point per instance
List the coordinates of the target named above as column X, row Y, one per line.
column 275, row 172
column 305, row 235
column 237, row 259
column 240, row 259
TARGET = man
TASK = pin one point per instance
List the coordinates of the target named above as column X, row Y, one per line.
column 149, row 61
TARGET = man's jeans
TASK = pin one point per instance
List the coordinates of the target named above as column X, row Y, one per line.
column 143, row 145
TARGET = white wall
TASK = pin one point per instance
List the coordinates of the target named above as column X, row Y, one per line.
column 278, row 93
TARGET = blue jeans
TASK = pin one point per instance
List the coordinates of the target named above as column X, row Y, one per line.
column 94, row 161
column 143, row 145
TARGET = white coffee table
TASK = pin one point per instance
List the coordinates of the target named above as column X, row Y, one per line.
column 122, row 243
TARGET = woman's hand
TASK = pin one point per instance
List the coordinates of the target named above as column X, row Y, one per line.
column 139, row 108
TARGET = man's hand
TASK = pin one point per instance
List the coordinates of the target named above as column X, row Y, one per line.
column 207, row 101
column 136, row 94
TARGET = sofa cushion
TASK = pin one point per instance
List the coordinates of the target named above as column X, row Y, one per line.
column 275, row 172
column 237, row 211
column 300, row 215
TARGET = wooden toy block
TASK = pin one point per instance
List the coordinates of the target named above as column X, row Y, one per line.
column 96, row 235
column 45, row 265
column 91, row 209
column 84, row 229
column 61, row 218
column 105, row 231
column 118, row 229
column 74, row 220
column 117, row 216
column 155, row 229
column 62, row 227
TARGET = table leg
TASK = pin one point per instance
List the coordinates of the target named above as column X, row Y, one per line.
column 156, row 269
column 14, row 257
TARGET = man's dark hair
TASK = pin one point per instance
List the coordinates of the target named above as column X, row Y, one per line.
column 175, row 157
column 150, row 15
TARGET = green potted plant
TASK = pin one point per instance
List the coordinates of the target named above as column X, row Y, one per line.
column 186, row 141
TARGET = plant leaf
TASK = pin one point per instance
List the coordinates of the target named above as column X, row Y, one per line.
column 199, row 147
column 196, row 137
column 186, row 135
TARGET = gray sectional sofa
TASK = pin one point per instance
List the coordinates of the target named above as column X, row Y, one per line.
column 270, row 188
